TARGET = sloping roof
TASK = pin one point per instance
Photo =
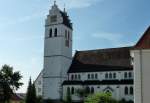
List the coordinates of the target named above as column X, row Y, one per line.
column 21, row 95
column 66, row 20
column 97, row 82
column 144, row 42
column 101, row 60
column 16, row 97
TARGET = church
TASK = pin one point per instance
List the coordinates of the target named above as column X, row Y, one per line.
column 101, row 70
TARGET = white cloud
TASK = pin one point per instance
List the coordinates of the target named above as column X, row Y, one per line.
column 69, row 4
column 72, row 4
column 114, row 38
column 20, row 20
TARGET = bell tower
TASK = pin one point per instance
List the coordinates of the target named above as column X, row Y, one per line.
column 57, row 52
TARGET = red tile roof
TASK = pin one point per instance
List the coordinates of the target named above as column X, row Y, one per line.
column 144, row 42
column 101, row 59
column 107, row 59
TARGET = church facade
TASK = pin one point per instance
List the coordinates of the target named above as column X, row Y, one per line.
column 102, row 70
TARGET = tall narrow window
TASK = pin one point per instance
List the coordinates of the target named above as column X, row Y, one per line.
column 50, row 33
column 114, row 75
column 67, row 38
column 55, row 34
column 92, row 76
column 96, row 76
column 89, row 76
column 76, row 77
column 68, row 90
column 131, row 90
column 72, row 77
column 72, row 90
column 125, row 75
column 66, row 34
column 92, row 90
column 110, row 75
column 126, row 90
column 79, row 77
column 106, row 75
column 130, row 75
column 87, row 90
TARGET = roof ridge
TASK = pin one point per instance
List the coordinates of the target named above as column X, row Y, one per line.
column 106, row 49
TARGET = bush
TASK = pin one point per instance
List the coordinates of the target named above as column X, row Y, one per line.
column 100, row 98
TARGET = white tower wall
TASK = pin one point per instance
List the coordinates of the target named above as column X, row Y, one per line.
column 57, row 55
column 142, row 76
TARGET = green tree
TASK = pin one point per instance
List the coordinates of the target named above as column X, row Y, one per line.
column 31, row 93
column 82, row 93
column 39, row 99
column 100, row 98
column 34, row 94
column 10, row 81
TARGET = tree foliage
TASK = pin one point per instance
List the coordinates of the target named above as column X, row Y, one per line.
column 31, row 93
column 10, row 81
column 100, row 98
column 12, row 78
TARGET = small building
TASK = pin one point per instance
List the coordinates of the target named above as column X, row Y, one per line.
column 18, row 98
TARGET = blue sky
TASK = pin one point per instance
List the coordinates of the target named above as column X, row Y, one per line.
column 97, row 24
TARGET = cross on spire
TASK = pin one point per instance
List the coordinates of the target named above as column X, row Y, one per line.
column 54, row 2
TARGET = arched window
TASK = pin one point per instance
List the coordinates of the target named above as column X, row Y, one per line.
column 130, row 75
column 89, row 77
column 66, row 34
column 76, row 77
column 114, row 75
column 125, row 75
column 126, row 90
column 72, row 77
column 68, row 90
column 92, row 76
column 106, row 75
column 96, row 76
column 92, row 90
column 55, row 34
column 79, row 77
column 72, row 90
column 131, row 90
column 50, row 33
column 87, row 90
column 110, row 75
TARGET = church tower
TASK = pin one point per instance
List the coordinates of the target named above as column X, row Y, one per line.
column 57, row 52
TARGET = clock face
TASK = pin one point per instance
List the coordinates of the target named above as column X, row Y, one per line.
column 54, row 18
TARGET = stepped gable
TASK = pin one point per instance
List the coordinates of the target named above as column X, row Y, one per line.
column 66, row 20
column 101, row 60
column 144, row 42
